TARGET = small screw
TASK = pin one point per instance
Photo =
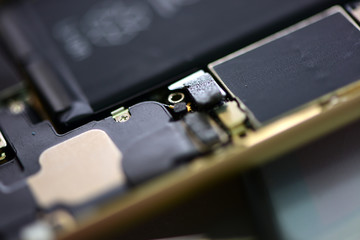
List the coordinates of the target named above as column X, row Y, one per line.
column 123, row 117
column 121, row 114
column 16, row 107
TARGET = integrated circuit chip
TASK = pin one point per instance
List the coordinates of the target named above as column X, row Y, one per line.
column 96, row 53
column 307, row 61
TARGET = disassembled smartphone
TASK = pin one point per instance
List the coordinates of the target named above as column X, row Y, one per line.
column 75, row 164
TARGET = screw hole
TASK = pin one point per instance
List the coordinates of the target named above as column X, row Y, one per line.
column 176, row 97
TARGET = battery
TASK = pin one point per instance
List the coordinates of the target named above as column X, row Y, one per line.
column 93, row 54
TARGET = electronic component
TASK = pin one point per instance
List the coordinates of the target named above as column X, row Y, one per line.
column 204, row 91
column 86, row 55
column 148, row 156
column 6, row 153
column 203, row 128
column 202, row 88
column 100, row 158
column 232, row 117
column 282, row 73
column 181, row 108
column 84, row 59
column 3, row 144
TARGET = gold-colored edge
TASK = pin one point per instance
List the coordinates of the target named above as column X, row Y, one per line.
column 258, row 147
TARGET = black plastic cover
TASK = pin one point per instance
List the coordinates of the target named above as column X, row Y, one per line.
column 150, row 142
column 286, row 73
column 157, row 152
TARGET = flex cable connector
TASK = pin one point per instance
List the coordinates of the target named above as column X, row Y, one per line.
column 3, row 144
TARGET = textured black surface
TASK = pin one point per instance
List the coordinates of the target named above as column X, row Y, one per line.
column 29, row 141
column 150, row 143
column 17, row 208
column 25, row 137
column 154, row 45
column 156, row 152
column 293, row 70
column 199, row 124
column 204, row 91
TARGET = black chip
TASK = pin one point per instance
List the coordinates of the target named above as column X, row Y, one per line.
column 286, row 73
column 95, row 53
column 181, row 107
column 204, row 91
column 199, row 125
